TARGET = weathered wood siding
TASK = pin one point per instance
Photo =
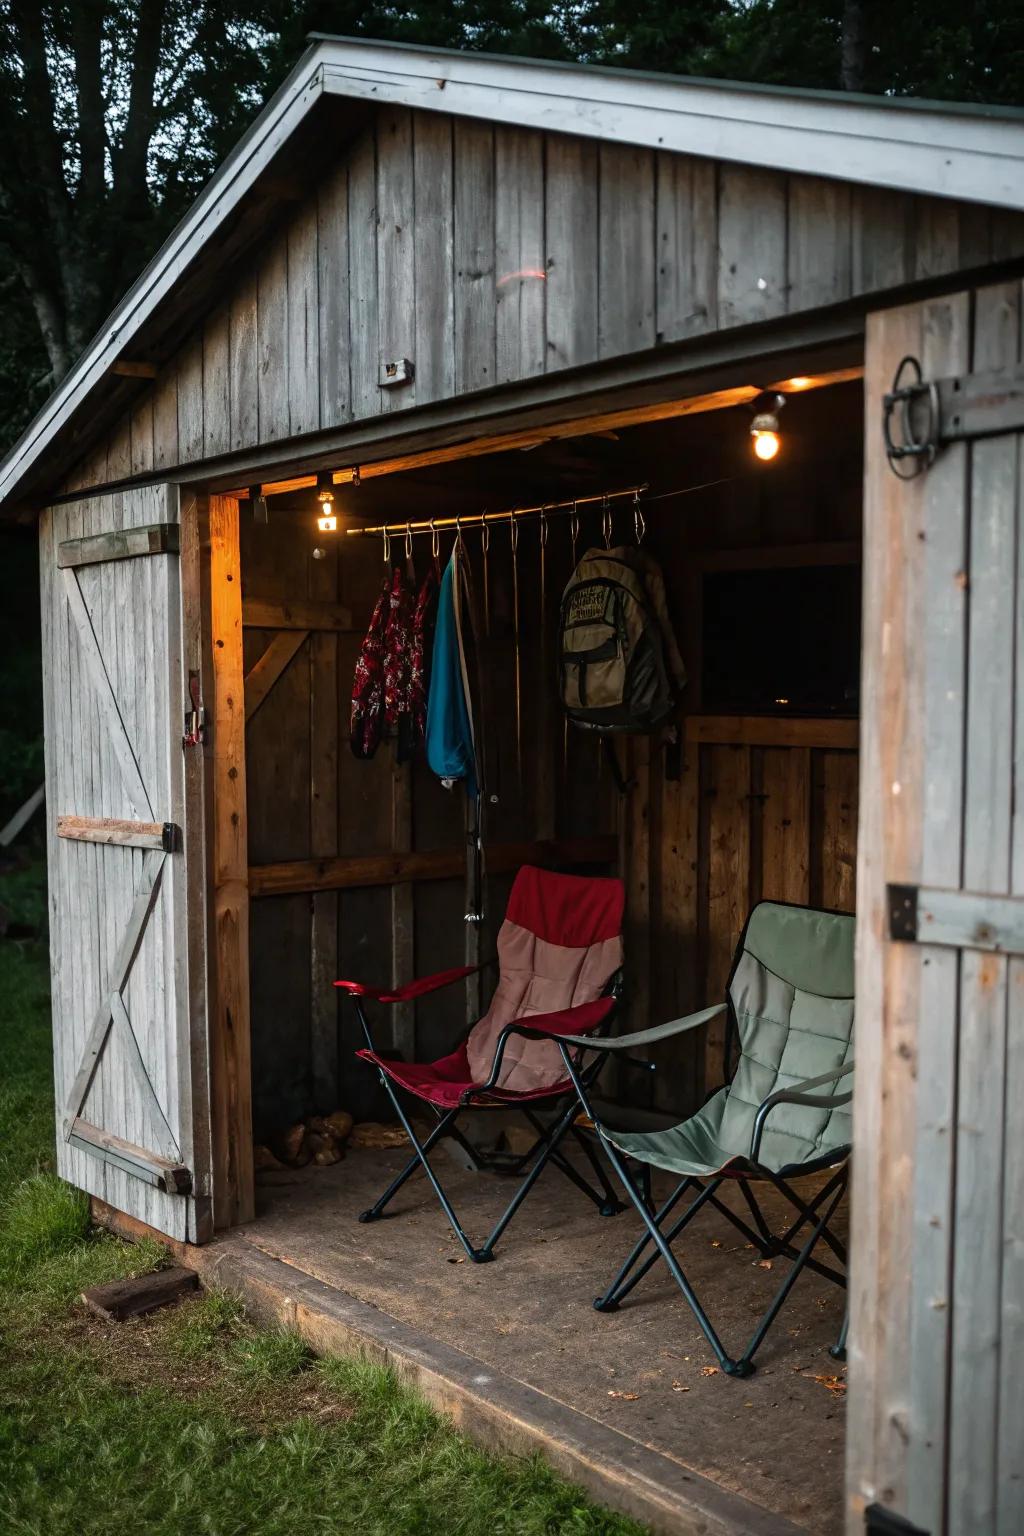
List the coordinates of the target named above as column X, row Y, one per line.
column 489, row 255
column 937, row 1347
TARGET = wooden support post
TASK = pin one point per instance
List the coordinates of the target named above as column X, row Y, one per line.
column 234, row 1199
column 323, row 833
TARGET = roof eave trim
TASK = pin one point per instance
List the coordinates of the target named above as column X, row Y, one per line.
column 977, row 158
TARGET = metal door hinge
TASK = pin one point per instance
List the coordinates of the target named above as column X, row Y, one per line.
column 921, row 914
column 920, row 416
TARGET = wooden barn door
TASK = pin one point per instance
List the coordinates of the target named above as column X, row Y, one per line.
column 124, row 808
column 936, row 1401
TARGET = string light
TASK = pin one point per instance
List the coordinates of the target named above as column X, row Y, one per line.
column 327, row 522
column 764, row 429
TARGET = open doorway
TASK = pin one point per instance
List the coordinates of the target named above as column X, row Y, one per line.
column 357, row 869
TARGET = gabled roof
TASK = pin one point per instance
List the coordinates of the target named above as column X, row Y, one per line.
column 967, row 152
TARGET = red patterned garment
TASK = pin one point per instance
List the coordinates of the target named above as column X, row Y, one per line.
column 397, row 647
column 367, row 722
column 419, row 663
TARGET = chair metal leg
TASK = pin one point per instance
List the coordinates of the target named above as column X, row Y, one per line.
column 556, row 1134
column 838, row 1349
column 612, row 1296
column 610, row 1205
column 772, row 1313
column 377, row 1209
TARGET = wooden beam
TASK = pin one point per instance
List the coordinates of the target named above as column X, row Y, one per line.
column 124, row 544
column 130, row 370
column 119, row 1299
column 382, row 869
column 161, row 1172
column 264, row 673
column 126, row 834
column 231, row 1063
column 262, row 613
column 771, row 731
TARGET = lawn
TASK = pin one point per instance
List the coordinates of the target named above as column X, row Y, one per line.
column 194, row 1420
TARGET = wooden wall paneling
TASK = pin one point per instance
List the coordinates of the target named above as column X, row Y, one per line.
column 190, row 399
column 636, row 868
column 882, row 239
column 728, row 879
column 303, row 322
column 679, row 1079
column 751, row 245
column 272, row 341
column 686, row 195
column 936, row 236
column 119, row 449
column 403, row 1015
column 434, row 342
column 243, row 365
column 987, row 843
column 396, row 259
column 571, row 208
column 364, row 369
column 165, row 418
column 333, row 289
column 833, row 881
column 903, row 1102
column 323, row 839
column 217, row 383
column 786, row 824
column 819, row 250
column 230, row 1045
column 142, row 436
column 1009, row 1469
column 626, row 250
column 474, row 194
column 520, row 256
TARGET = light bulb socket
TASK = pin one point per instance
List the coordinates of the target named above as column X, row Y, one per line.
column 325, row 487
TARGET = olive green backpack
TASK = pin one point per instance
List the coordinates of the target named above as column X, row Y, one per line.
column 619, row 666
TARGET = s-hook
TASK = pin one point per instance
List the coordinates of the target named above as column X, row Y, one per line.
column 639, row 524
column 606, row 522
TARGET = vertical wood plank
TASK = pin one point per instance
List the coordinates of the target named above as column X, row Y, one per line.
column 396, row 320
column 165, row 418
column 231, row 1066
column 243, row 392
column 332, row 263
column 987, row 842
column 837, row 823
column 403, row 937
column 119, row 450
column 434, row 256
column 687, row 249
column 362, row 268
column 679, row 1084
column 751, row 245
column 819, row 243
column 936, row 236
column 637, row 875
column 882, row 239
column 626, row 247
column 190, row 400
column 475, row 364
column 571, row 193
column 303, row 323
column 272, row 341
column 217, row 384
column 785, row 829
column 520, row 259
column 142, row 437
column 728, row 789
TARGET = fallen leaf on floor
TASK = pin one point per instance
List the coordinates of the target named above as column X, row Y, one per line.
column 764, row 1263
column 716, row 1242
column 834, row 1384
column 709, row 1370
column 628, row 1397
column 677, row 1386
column 456, row 1261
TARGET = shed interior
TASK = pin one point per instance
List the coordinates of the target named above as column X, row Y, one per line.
column 356, row 868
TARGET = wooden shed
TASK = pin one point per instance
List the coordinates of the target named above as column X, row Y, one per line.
column 441, row 284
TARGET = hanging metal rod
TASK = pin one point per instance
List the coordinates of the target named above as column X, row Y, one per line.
column 478, row 519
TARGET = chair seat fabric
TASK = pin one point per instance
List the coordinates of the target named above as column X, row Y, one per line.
column 791, row 997
column 444, row 1082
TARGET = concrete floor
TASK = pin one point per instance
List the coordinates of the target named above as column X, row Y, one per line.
column 776, row 1438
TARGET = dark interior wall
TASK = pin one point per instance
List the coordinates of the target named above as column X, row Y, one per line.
column 694, row 849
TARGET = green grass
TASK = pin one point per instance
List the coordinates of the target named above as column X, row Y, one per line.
column 195, row 1422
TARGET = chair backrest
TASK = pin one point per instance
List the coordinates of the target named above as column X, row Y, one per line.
column 560, row 945
column 791, row 999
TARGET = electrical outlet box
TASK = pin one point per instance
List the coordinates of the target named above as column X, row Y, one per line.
column 396, row 371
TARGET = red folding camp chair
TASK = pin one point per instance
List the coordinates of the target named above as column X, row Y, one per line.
column 559, row 956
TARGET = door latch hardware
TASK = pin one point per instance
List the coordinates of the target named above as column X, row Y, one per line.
column 195, row 715
column 914, row 406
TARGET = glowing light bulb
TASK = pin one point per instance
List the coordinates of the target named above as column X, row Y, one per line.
column 327, row 522
column 766, row 444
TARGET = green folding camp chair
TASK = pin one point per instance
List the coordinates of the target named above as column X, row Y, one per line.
column 790, row 1011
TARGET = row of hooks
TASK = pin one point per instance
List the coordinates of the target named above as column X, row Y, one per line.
column 483, row 522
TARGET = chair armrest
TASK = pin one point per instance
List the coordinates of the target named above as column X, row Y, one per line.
column 552, row 1026
column 412, row 989
column 649, row 1036
column 798, row 1093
